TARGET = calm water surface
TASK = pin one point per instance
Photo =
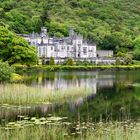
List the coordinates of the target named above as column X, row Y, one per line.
column 115, row 95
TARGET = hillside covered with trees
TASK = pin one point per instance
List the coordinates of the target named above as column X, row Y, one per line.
column 112, row 24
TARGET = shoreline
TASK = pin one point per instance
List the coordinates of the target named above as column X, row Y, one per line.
column 76, row 68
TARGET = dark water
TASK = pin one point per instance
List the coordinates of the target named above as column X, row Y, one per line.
column 114, row 96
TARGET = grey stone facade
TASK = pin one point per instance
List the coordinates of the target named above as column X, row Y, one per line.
column 73, row 46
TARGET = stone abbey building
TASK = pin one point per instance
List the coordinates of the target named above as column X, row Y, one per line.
column 73, row 46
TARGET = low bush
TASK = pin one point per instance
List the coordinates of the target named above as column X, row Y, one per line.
column 85, row 63
column 52, row 62
column 118, row 62
column 5, row 72
column 128, row 59
column 69, row 62
column 16, row 78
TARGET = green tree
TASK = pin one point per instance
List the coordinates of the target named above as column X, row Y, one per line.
column 120, row 54
column 69, row 61
column 137, row 43
column 115, row 40
column 118, row 62
column 52, row 62
column 128, row 59
column 14, row 49
column 136, row 54
column 43, row 59
column 5, row 72
column 110, row 24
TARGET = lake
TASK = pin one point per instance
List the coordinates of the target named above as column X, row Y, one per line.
column 113, row 96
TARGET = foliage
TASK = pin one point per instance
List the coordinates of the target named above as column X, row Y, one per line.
column 136, row 54
column 5, row 72
column 38, row 68
column 85, row 63
column 24, row 95
column 137, row 43
column 14, row 49
column 120, row 54
column 52, row 62
column 58, row 128
column 111, row 24
column 16, row 78
column 116, row 41
column 69, row 61
column 43, row 59
column 128, row 59
column 118, row 62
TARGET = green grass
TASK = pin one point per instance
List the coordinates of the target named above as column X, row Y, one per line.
column 19, row 94
column 54, row 128
column 77, row 68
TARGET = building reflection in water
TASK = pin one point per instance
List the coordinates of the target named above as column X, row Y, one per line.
column 64, row 80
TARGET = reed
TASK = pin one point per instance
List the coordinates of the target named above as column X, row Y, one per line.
column 46, row 129
column 19, row 94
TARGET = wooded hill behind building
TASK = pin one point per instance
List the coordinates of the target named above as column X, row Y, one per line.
column 112, row 25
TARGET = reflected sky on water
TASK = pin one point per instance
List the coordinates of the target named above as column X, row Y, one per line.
column 111, row 91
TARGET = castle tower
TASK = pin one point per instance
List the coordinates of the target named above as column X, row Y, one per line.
column 43, row 31
column 71, row 31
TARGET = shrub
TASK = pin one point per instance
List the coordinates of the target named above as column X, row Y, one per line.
column 69, row 61
column 86, row 63
column 136, row 54
column 5, row 71
column 78, row 63
column 43, row 59
column 118, row 62
column 120, row 54
column 52, row 62
column 15, row 78
column 128, row 59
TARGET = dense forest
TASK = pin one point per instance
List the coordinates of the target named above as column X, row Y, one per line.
column 112, row 24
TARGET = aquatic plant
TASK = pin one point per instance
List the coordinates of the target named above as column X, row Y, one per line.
column 19, row 94
column 56, row 128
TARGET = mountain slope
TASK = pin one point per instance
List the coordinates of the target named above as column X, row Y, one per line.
column 111, row 24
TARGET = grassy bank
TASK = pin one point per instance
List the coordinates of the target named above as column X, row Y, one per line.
column 18, row 94
column 77, row 68
column 55, row 128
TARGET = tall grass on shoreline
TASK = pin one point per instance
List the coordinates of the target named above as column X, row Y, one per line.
column 56, row 129
column 19, row 94
column 76, row 68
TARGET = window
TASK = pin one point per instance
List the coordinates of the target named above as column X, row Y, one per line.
column 63, row 47
column 51, row 47
column 39, row 51
column 84, row 50
column 68, row 48
column 79, row 45
column 55, row 49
